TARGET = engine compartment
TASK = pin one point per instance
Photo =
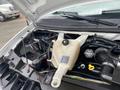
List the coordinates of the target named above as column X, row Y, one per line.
column 97, row 61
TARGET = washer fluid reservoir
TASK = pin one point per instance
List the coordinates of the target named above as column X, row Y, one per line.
column 64, row 56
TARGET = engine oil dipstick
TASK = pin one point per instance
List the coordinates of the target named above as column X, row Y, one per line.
column 91, row 67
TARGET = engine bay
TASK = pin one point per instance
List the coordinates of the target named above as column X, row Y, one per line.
column 54, row 55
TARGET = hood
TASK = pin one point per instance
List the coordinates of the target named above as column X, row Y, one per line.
column 36, row 9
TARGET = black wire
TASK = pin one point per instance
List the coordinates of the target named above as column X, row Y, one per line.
column 87, row 75
column 95, row 63
column 52, row 37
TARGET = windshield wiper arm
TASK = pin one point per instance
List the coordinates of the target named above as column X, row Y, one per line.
column 75, row 16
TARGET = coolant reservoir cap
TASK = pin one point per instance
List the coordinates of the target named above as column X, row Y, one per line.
column 65, row 42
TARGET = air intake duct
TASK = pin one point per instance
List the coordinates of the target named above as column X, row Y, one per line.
column 103, row 56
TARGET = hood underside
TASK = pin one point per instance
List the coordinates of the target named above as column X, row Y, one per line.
column 35, row 9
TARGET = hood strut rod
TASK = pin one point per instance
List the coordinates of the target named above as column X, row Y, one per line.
column 25, row 54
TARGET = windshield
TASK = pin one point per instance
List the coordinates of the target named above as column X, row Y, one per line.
column 93, row 8
column 3, row 2
column 100, row 16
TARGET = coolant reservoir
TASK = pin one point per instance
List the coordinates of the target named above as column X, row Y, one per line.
column 64, row 56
